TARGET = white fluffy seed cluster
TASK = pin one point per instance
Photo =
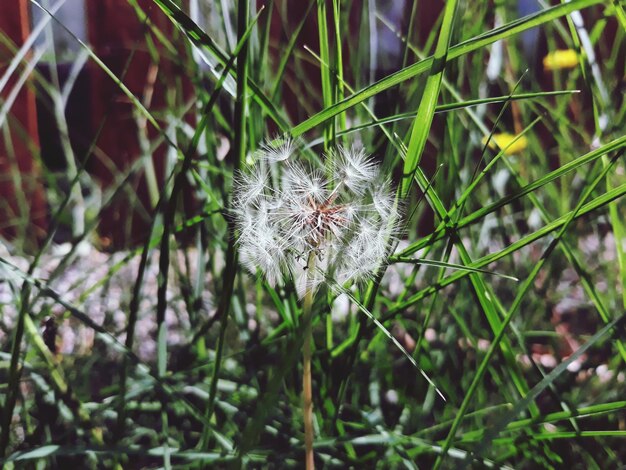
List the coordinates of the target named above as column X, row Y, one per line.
column 342, row 216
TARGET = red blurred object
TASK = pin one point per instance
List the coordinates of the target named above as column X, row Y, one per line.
column 119, row 39
column 22, row 201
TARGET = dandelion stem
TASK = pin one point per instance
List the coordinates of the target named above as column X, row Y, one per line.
column 307, row 407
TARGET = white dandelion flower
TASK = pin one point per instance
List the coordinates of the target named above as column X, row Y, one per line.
column 343, row 217
column 313, row 223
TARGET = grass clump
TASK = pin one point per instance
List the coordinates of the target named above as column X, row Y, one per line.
column 159, row 320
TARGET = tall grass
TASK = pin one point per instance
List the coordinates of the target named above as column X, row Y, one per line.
column 493, row 337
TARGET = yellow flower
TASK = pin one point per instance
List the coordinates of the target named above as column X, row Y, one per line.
column 560, row 59
column 505, row 142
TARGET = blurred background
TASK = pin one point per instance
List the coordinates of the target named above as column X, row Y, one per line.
column 69, row 128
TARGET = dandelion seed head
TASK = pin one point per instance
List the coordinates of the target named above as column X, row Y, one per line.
column 344, row 215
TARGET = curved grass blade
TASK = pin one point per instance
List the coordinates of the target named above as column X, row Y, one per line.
column 387, row 333
column 588, row 208
column 553, row 175
column 444, row 108
column 578, row 413
column 460, row 267
column 426, row 110
column 522, row 404
column 129, row 94
column 195, row 34
column 509, row 316
column 454, row 52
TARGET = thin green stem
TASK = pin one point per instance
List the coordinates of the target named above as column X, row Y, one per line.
column 307, row 389
column 512, row 310
column 14, row 372
column 239, row 151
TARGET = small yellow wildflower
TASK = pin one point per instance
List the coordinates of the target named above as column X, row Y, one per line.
column 560, row 59
column 505, row 142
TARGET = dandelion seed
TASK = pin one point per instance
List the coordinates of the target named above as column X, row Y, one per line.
column 250, row 186
column 344, row 215
column 277, row 151
column 354, row 168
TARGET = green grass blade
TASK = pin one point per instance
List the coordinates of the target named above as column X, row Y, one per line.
column 239, row 151
column 393, row 339
column 488, row 259
column 129, row 94
column 620, row 13
column 326, row 78
column 444, row 108
column 476, row 43
column 578, row 413
column 559, row 172
column 426, row 110
column 339, row 83
column 441, row 264
column 199, row 37
column 522, row 404
column 288, row 51
column 527, row 284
